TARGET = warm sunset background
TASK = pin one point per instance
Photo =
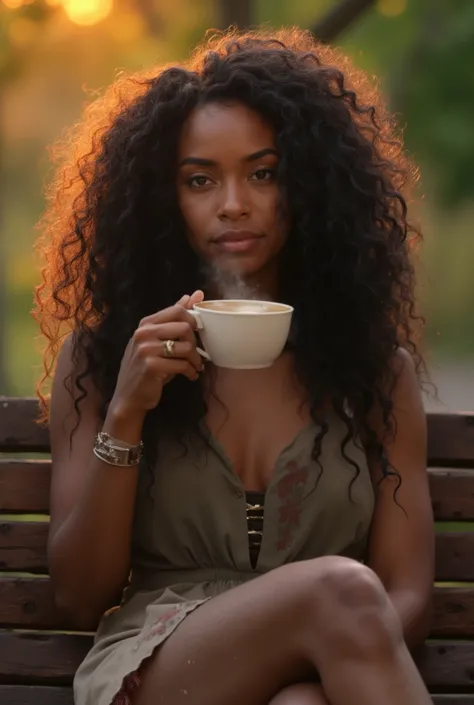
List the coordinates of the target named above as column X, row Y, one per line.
column 55, row 55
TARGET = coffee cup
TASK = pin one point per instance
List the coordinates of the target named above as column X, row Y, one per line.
column 242, row 334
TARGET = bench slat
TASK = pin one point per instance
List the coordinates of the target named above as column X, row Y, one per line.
column 19, row 431
column 27, row 603
column 451, row 439
column 23, row 549
column 23, row 546
column 41, row 695
column 46, row 695
column 452, row 494
column 449, row 700
column 53, row 659
column 447, row 666
column 41, row 658
column 454, row 557
column 450, row 436
column 24, row 488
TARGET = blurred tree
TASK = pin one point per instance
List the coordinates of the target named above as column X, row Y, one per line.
column 235, row 12
column 17, row 29
column 339, row 18
column 438, row 100
column 147, row 9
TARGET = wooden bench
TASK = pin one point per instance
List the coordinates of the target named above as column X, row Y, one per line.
column 38, row 651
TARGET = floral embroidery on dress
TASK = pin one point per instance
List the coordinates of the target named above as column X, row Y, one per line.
column 290, row 491
column 163, row 625
column 160, row 625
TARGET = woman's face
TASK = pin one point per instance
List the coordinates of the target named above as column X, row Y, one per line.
column 227, row 190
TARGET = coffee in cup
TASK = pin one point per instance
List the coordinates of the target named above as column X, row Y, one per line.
column 243, row 334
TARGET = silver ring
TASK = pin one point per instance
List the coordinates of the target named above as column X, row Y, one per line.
column 168, row 348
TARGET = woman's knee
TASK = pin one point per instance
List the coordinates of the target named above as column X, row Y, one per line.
column 301, row 694
column 350, row 605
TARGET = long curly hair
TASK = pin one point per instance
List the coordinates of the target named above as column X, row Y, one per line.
column 115, row 245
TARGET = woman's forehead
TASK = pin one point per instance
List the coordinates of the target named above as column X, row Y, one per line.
column 228, row 128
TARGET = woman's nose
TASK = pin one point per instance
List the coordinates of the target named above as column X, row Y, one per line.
column 234, row 203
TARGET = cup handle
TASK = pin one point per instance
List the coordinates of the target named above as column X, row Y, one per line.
column 197, row 318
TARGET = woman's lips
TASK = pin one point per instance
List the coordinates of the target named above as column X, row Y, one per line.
column 237, row 241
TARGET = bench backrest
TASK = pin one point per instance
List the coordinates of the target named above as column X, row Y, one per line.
column 36, row 644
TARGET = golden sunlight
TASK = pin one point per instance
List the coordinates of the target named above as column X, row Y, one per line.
column 22, row 31
column 87, row 12
column 392, row 8
column 14, row 4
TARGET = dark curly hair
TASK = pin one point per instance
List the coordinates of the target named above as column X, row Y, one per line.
column 116, row 247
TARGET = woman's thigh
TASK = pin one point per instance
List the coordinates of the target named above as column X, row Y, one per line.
column 248, row 644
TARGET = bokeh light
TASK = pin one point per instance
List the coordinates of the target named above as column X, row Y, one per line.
column 22, row 31
column 392, row 8
column 82, row 12
column 15, row 4
column 87, row 12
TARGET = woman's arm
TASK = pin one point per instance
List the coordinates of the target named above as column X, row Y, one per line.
column 401, row 546
column 92, row 503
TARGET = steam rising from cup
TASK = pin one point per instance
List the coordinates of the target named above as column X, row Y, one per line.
column 229, row 285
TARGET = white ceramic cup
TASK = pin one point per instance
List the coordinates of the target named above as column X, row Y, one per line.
column 242, row 334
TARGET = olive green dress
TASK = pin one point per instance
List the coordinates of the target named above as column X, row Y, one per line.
column 190, row 539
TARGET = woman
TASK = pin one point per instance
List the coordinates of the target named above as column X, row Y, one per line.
column 272, row 527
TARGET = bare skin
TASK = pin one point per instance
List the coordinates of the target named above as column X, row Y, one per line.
column 253, row 642
column 267, row 641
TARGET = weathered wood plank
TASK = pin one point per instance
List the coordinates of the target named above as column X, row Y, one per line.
column 35, row 658
column 447, row 666
column 450, row 436
column 47, row 695
column 455, row 557
column 453, row 612
column 28, row 603
column 39, row 695
column 452, row 494
column 451, row 440
column 24, row 486
column 449, row 700
column 18, row 428
column 23, row 546
column 23, row 549
column 51, row 659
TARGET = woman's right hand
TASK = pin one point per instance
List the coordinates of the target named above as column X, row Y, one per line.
column 146, row 367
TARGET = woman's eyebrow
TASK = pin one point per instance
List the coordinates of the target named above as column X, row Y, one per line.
column 200, row 161
column 261, row 153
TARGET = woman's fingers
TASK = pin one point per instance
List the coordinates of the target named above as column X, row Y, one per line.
column 176, row 313
column 184, row 300
column 195, row 298
column 179, row 350
column 167, row 367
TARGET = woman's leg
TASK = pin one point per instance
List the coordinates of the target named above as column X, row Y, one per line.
column 301, row 694
column 329, row 615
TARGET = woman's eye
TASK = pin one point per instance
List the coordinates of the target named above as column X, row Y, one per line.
column 263, row 174
column 198, row 180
